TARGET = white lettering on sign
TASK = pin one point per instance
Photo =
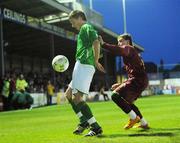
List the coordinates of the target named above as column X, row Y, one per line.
column 9, row 14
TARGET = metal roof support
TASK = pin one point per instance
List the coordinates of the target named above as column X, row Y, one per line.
column 52, row 53
column 138, row 47
column 110, row 32
column 2, row 71
column 55, row 4
column 65, row 1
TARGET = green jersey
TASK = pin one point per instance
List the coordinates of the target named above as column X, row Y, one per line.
column 84, row 52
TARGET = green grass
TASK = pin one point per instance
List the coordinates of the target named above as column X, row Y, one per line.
column 55, row 124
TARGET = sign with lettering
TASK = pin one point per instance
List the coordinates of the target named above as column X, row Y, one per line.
column 36, row 23
column 15, row 16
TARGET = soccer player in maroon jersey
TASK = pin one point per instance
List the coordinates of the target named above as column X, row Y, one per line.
column 126, row 93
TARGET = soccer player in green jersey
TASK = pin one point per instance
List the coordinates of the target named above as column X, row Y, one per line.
column 87, row 56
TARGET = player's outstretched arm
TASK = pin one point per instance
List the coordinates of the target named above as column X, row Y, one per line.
column 114, row 49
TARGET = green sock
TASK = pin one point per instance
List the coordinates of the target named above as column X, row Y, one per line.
column 78, row 112
column 86, row 111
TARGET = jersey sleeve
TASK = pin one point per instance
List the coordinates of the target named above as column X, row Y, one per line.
column 92, row 34
column 117, row 50
column 88, row 35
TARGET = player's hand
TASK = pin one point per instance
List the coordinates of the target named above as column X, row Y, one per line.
column 100, row 67
column 100, row 39
column 114, row 86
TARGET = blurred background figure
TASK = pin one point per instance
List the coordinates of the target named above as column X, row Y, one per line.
column 106, row 98
column 22, row 99
column 5, row 92
column 50, row 92
column 21, row 83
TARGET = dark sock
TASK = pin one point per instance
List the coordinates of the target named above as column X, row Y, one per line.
column 136, row 110
column 125, row 106
column 77, row 110
column 86, row 111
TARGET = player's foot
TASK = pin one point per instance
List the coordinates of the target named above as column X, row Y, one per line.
column 94, row 132
column 132, row 122
column 80, row 128
column 144, row 127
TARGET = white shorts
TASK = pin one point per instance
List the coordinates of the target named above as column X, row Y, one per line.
column 81, row 78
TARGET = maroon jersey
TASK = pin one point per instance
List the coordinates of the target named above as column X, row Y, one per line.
column 133, row 63
column 137, row 81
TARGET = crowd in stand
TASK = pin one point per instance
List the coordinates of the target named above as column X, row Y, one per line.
column 13, row 92
column 15, row 89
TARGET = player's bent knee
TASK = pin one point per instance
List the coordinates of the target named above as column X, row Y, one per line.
column 77, row 99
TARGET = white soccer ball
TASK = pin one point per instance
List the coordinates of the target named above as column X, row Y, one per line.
column 60, row 63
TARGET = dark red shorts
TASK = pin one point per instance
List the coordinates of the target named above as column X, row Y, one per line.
column 132, row 88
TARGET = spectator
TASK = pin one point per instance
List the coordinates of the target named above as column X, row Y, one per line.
column 12, row 90
column 5, row 92
column 106, row 98
column 50, row 92
column 21, row 83
column 21, row 98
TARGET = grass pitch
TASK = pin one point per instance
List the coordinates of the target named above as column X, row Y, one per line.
column 55, row 124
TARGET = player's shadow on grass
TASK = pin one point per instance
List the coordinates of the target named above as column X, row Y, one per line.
column 145, row 134
column 166, row 129
column 161, row 132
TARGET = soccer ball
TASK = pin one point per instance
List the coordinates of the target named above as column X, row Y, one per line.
column 60, row 63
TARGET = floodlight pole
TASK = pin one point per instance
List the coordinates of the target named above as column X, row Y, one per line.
column 91, row 4
column 124, row 15
column 125, row 31
column 2, row 72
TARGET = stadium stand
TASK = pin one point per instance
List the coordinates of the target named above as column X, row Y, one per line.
column 33, row 32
